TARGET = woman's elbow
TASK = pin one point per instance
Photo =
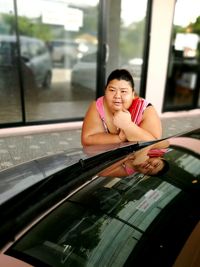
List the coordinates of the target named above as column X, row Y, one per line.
column 158, row 134
column 85, row 140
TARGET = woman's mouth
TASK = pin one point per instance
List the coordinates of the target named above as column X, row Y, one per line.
column 117, row 103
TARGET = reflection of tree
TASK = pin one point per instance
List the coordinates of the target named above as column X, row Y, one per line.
column 84, row 237
column 192, row 28
column 89, row 21
column 132, row 41
column 28, row 27
column 90, row 15
column 195, row 28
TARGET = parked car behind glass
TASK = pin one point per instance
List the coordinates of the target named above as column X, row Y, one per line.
column 69, row 52
column 82, row 208
column 84, row 72
column 34, row 55
column 65, row 52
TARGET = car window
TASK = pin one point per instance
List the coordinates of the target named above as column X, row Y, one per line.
column 41, row 48
column 7, row 52
column 24, row 50
column 36, row 48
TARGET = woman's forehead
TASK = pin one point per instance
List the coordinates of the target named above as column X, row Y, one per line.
column 119, row 84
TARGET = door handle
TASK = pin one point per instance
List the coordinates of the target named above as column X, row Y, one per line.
column 106, row 53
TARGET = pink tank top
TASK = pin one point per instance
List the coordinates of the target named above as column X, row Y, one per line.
column 137, row 108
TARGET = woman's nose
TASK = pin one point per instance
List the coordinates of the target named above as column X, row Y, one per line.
column 117, row 93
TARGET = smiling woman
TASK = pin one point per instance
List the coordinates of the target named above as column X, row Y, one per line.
column 120, row 115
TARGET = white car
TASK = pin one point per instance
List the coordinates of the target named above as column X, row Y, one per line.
column 35, row 57
column 65, row 51
column 84, row 72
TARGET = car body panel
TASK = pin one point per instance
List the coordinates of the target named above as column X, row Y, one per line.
column 18, row 178
column 190, row 254
column 8, row 261
column 85, row 213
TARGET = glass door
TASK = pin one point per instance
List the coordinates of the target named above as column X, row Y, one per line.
column 58, row 45
column 10, row 82
column 127, row 37
column 183, row 80
column 58, row 54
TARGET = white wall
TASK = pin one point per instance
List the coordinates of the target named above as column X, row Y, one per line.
column 160, row 37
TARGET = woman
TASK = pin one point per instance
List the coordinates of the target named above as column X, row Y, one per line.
column 109, row 121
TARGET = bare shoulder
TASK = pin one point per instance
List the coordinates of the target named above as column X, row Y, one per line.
column 92, row 114
column 149, row 111
column 92, row 110
column 152, row 122
column 92, row 123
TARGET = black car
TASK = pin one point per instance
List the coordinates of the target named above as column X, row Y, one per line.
column 132, row 205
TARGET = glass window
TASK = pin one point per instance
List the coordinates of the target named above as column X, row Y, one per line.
column 58, row 48
column 10, row 98
column 59, row 34
column 126, row 37
column 182, row 87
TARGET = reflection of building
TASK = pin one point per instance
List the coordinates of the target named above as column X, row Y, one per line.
column 187, row 43
column 117, row 238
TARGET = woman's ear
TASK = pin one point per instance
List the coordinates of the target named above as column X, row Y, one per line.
column 134, row 94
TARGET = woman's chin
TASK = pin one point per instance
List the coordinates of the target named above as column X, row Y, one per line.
column 118, row 107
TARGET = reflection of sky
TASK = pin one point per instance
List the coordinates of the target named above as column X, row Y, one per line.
column 135, row 13
column 185, row 11
column 37, row 6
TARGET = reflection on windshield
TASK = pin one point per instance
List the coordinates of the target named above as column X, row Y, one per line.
column 149, row 160
column 100, row 225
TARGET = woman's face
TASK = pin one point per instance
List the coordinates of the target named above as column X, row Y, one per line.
column 150, row 167
column 118, row 95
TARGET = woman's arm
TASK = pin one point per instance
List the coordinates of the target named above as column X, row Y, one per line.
column 150, row 128
column 93, row 132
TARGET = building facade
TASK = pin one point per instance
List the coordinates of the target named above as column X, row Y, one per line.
column 55, row 55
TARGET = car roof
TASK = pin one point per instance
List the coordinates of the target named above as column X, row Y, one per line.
column 13, row 38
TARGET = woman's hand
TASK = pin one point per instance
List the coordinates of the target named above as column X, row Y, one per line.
column 122, row 119
column 122, row 136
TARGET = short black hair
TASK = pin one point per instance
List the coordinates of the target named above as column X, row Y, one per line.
column 164, row 169
column 121, row 74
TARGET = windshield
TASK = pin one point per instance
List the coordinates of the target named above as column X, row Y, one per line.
column 89, row 228
column 102, row 223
